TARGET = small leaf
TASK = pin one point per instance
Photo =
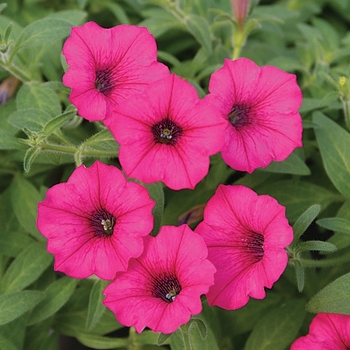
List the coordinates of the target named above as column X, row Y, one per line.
column 315, row 246
column 96, row 308
column 334, row 298
column 335, row 224
column 25, row 198
column 334, row 144
column 300, row 275
column 156, row 192
column 13, row 305
column 26, row 268
column 202, row 328
column 305, row 220
column 199, row 28
column 57, row 122
column 162, row 338
column 57, row 294
column 29, row 157
column 103, row 142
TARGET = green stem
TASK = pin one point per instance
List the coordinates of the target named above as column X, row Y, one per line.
column 15, row 71
column 346, row 109
column 238, row 44
column 186, row 337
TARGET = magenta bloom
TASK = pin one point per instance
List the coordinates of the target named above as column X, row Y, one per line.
column 246, row 235
column 95, row 222
column 108, row 65
column 161, row 289
column 260, row 106
column 326, row 332
column 167, row 134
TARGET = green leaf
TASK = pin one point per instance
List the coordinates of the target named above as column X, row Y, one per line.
column 305, row 220
column 99, row 342
column 33, row 119
column 315, row 246
column 335, row 224
column 96, row 308
column 162, row 338
column 334, row 298
column 57, row 122
column 13, row 242
column 156, row 192
column 300, row 275
column 277, row 329
column 4, row 343
column 29, row 157
column 26, row 268
column 334, row 145
column 13, row 305
column 292, row 165
column 118, row 12
column 298, row 196
column 74, row 17
column 199, row 28
column 43, row 31
column 35, row 96
column 25, row 198
column 102, row 141
column 8, row 141
column 202, row 328
column 57, row 294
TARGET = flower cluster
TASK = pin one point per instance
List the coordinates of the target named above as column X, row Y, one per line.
column 99, row 223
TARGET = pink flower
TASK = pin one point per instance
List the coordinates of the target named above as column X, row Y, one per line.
column 95, row 222
column 161, row 289
column 260, row 106
column 167, row 134
column 246, row 235
column 108, row 65
column 326, row 332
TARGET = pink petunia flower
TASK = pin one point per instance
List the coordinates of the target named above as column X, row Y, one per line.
column 246, row 235
column 95, row 221
column 260, row 105
column 161, row 289
column 167, row 134
column 326, row 332
column 108, row 65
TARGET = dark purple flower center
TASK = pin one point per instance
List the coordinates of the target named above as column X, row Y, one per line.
column 102, row 223
column 104, row 81
column 239, row 116
column 166, row 131
column 255, row 245
column 166, row 288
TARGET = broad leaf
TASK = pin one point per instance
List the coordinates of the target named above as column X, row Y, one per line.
column 334, row 144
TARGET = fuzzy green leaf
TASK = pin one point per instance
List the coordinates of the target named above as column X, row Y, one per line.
column 334, row 298
column 96, row 308
column 56, row 295
column 199, row 28
column 278, row 328
column 13, row 305
column 334, row 145
column 26, row 268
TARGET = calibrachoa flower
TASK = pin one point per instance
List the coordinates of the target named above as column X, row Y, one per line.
column 167, row 134
column 95, row 222
column 246, row 235
column 326, row 332
column 260, row 105
column 161, row 289
column 108, row 65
